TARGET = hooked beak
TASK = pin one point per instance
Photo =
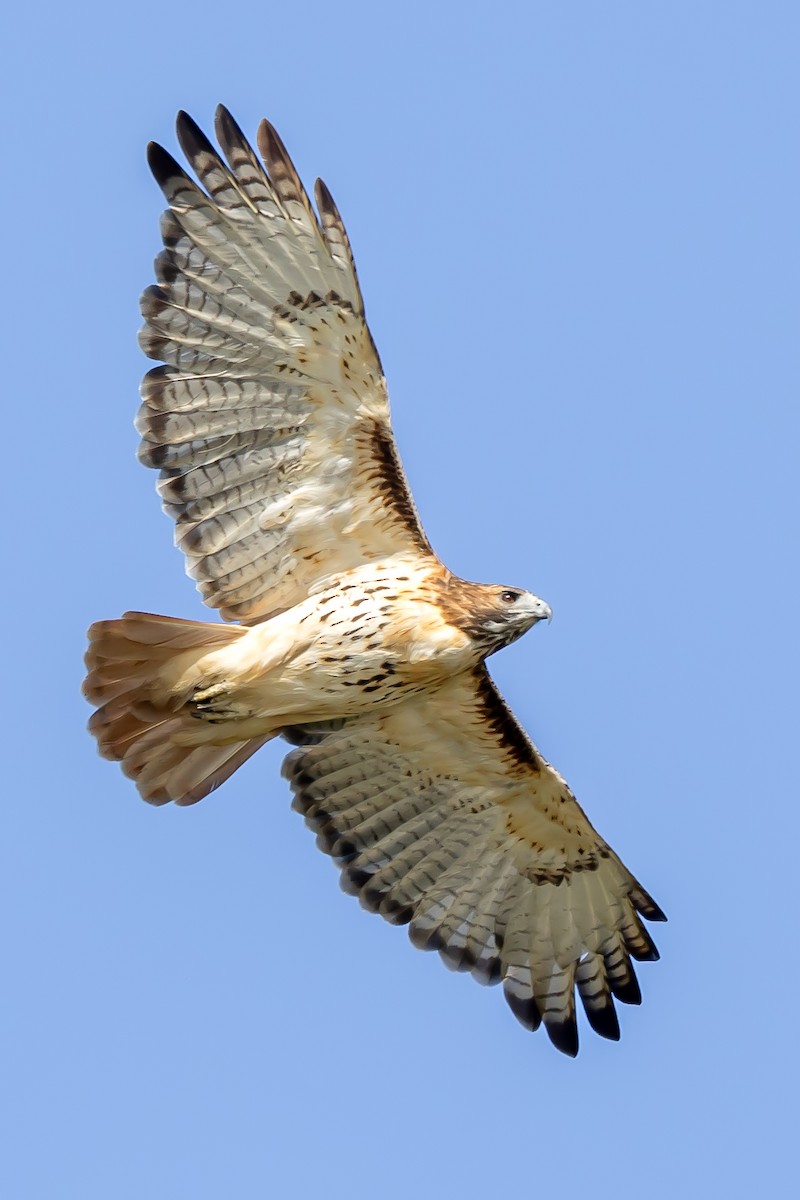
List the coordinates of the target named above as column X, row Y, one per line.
column 539, row 610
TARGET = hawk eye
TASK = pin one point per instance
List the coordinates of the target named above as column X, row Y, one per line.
column 509, row 597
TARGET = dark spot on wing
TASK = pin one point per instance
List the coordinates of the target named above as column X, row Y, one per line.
column 502, row 722
column 388, row 474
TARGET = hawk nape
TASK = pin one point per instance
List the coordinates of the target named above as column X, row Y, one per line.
column 269, row 424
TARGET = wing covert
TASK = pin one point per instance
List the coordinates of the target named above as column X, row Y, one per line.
column 443, row 815
column 269, row 420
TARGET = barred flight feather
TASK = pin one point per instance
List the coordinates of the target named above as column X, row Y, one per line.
column 391, row 801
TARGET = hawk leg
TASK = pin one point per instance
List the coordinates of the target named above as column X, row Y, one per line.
column 214, row 705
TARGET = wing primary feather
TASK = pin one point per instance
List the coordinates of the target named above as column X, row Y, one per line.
column 284, row 178
column 335, row 233
column 620, row 973
column 164, row 167
column 592, row 984
column 221, row 183
column 518, row 991
column 230, row 135
column 646, row 904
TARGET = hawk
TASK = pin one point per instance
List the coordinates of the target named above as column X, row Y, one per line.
column 268, row 421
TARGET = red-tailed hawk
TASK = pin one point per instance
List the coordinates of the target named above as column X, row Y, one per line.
column 269, row 424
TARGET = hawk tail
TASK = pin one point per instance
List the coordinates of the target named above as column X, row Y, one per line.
column 136, row 666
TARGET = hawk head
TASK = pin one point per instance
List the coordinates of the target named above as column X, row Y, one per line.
column 506, row 614
column 493, row 615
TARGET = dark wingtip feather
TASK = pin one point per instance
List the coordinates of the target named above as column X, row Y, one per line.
column 457, row 958
column 270, row 144
column 152, row 386
column 524, row 1008
column 564, row 1035
column 604, row 1021
column 153, row 301
column 227, row 128
column 396, row 912
column 488, row 971
column 163, row 165
column 626, row 990
column 166, row 269
column 643, row 949
column 424, row 937
column 324, row 199
column 646, row 905
column 354, row 881
column 191, row 137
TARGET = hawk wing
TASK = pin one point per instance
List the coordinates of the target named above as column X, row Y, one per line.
column 442, row 814
column 270, row 420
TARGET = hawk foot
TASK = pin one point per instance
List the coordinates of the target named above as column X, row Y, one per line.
column 213, row 704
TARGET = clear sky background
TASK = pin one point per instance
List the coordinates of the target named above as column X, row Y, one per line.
column 576, row 229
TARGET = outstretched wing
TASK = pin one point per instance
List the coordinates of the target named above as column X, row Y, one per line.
column 442, row 814
column 269, row 421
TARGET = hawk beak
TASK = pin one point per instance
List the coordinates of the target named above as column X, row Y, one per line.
column 541, row 611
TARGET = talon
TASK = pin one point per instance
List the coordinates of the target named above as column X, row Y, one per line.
column 214, row 705
column 211, row 693
column 202, row 704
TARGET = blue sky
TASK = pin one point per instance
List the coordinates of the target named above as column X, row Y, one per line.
column 576, row 230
